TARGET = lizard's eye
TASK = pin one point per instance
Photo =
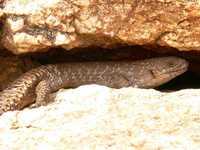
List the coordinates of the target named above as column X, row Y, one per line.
column 170, row 64
column 153, row 74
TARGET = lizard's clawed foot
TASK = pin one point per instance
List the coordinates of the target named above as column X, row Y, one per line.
column 50, row 98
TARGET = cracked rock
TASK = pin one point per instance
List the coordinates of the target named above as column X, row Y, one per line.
column 32, row 25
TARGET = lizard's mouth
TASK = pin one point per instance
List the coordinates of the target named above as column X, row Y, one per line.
column 161, row 77
column 171, row 72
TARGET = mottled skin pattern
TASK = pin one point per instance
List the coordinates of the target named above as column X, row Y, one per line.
column 38, row 83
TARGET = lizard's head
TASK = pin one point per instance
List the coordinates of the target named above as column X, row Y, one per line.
column 160, row 70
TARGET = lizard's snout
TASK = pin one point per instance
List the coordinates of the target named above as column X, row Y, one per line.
column 162, row 70
column 170, row 66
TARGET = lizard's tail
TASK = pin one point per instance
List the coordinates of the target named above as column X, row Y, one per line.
column 21, row 92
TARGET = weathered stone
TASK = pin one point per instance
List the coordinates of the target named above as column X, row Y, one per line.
column 32, row 25
column 12, row 67
column 96, row 117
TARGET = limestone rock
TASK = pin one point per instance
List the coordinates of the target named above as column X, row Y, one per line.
column 12, row 67
column 97, row 117
column 36, row 25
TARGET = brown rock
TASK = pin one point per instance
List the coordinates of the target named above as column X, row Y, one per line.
column 34, row 25
column 12, row 67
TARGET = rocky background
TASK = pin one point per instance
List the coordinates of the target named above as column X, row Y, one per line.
column 34, row 32
column 82, row 30
column 32, row 25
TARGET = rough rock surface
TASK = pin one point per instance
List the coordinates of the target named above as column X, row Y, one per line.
column 12, row 67
column 97, row 117
column 36, row 25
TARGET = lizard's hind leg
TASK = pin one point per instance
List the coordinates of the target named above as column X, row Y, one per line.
column 42, row 92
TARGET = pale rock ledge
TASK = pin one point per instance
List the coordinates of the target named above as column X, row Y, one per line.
column 97, row 117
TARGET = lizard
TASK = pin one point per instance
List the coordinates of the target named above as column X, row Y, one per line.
column 35, row 85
